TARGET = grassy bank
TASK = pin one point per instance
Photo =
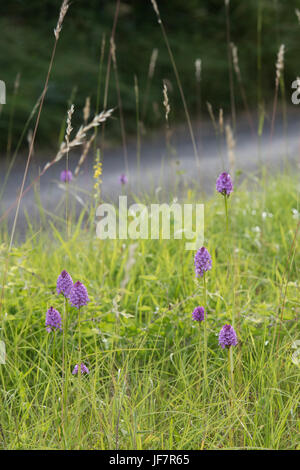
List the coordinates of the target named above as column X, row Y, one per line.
column 150, row 384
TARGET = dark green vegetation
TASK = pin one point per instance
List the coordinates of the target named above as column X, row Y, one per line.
column 196, row 29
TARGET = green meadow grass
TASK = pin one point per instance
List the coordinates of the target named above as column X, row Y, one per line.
column 147, row 387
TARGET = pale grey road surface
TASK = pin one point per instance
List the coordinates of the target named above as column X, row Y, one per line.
column 157, row 168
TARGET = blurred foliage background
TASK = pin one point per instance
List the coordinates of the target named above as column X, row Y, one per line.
column 195, row 28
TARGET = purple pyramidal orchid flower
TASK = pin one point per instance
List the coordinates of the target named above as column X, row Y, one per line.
column 84, row 369
column 198, row 314
column 53, row 320
column 66, row 176
column 224, row 184
column 202, row 262
column 227, row 337
column 64, row 283
column 78, row 295
column 123, row 179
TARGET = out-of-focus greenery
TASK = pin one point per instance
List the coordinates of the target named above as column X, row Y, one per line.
column 196, row 29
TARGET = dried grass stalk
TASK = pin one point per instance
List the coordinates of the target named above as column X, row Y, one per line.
column 155, row 8
column 29, row 139
column 69, row 125
column 113, row 49
column 221, row 121
column 166, row 102
column 79, row 137
column 198, row 67
column 230, row 148
column 86, row 148
column 235, row 60
column 63, row 10
column 87, row 110
column 279, row 64
column 152, row 63
column 212, row 116
column 17, row 82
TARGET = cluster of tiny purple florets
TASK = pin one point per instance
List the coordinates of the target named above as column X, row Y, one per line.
column 53, row 320
column 123, row 179
column 66, row 176
column 78, row 295
column 202, row 262
column 64, row 283
column 227, row 337
column 84, row 369
column 198, row 314
column 224, row 184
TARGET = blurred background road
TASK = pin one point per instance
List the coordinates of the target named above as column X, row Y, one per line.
column 155, row 170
